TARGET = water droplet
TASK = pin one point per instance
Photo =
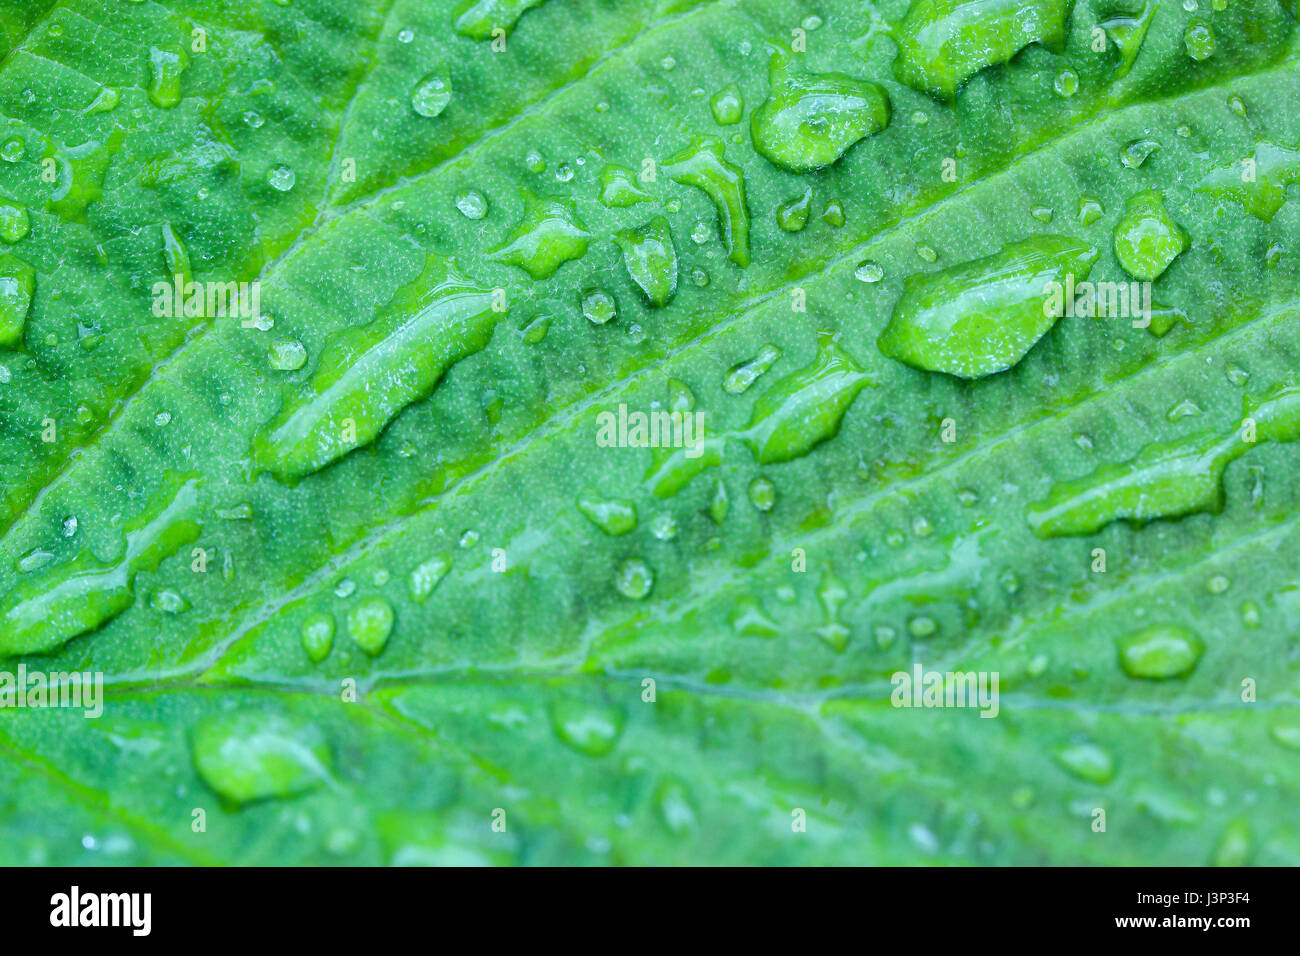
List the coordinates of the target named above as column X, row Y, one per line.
column 704, row 166
column 318, row 636
column 1260, row 185
column 1198, row 40
column 405, row 35
column 425, row 577
column 922, row 626
column 792, row 215
column 472, row 204
column 281, row 178
column 534, row 162
column 942, row 44
column 1134, row 154
column 745, row 374
column 17, row 285
column 810, row 120
column 1183, row 409
column 1160, row 652
column 253, row 119
column 165, row 70
column 369, row 374
column 1090, row 210
column 720, row 503
column 762, row 494
column 869, row 272
column 14, row 221
column 370, row 623
column 13, row 150
column 1066, row 83
column 588, row 728
column 1147, row 239
column 549, row 235
column 288, row 356
column 651, row 261
column 251, row 755
column 833, row 214
column 1042, row 213
column 432, row 94
column 634, row 579
column 727, row 105
column 942, row 321
column 1087, row 762
column 664, row 527
column 618, row 188
column 599, row 306
column 614, row 516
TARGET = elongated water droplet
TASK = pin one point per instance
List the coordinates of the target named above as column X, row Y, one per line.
column 983, row 316
column 252, row 755
column 478, row 18
column 17, row 285
column 705, row 166
column 943, row 43
column 805, row 408
column 368, row 374
column 1127, row 33
column 1259, row 184
column 165, row 70
column 810, row 120
column 46, row 611
column 742, row 376
column 650, row 259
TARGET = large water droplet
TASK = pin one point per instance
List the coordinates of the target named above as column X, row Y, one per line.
column 252, row 755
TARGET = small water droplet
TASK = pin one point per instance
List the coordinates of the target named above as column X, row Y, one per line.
column 472, row 204
column 432, row 95
column 869, row 272
column 634, row 579
column 281, row 178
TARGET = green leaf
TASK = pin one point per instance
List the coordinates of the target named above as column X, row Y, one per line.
column 605, row 438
